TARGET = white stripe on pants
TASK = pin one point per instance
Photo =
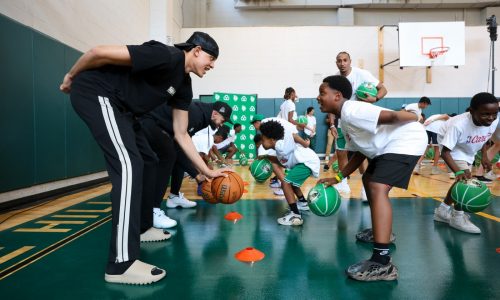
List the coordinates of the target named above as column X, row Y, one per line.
column 126, row 187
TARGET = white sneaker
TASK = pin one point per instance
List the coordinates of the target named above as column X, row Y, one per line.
column 302, row 205
column 442, row 214
column 160, row 220
column 490, row 175
column 416, row 170
column 291, row 219
column 363, row 194
column 276, row 184
column 435, row 170
column 452, row 175
column 278, row 192
column 461, row 221
column 174, row 201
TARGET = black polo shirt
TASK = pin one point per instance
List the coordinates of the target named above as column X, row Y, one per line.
column 157, row 76
column 199, row 117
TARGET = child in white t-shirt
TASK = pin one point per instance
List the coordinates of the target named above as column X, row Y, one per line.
column 301, row 163
column 288, row 110
column 417, row 108
column 310, row 129
column 460, row 138
column 393, row 142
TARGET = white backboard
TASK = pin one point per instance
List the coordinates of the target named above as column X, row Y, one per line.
column 416, row 40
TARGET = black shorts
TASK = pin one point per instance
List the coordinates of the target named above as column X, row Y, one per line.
column 432, row 138
column 392, row 169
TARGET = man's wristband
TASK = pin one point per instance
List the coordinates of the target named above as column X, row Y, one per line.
column 459, row 172
column 339, row 176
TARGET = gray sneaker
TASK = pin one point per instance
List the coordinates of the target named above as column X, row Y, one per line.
column 366, row 236
column 371, row 271
column 435, row 170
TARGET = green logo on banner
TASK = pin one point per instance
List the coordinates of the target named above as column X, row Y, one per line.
column 243, row 112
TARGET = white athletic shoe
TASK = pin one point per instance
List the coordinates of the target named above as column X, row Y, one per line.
column 161, row 221
column 278, row 192
column 174, row 201
column 363, row 194
column 435, row 170
column 490, row 175
column 302, row 205
column 442, row 214
column 417, row 170
column 461, row 221
column 452, row 175
column 276, row 184
column 291, row 219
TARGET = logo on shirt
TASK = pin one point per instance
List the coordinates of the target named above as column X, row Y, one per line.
column 171, row 90
column 191, row 129
column 478, row 139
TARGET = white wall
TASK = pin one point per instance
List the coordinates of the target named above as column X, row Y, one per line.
column 83, row 24
column 265, row 60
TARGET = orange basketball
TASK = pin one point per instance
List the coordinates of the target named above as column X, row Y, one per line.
column 206, row 193
column 228, row 189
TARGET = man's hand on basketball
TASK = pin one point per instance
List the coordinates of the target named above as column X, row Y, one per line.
column 328, row 181
column 218, row 172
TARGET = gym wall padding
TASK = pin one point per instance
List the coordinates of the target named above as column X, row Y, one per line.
column 43, row 140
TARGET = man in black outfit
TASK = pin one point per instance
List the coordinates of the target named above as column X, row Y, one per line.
column 110, row 86
column 158, row 128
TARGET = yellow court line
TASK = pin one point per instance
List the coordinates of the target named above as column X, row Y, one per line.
column 488, row 216
column 69, row 238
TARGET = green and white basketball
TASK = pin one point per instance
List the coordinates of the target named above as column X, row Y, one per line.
column 335, row 166
column 243, row 161
column 366, row 88
column 323, row 201
column 471, row 195
column 430, row 153
column 302, row 120
column 261, row 169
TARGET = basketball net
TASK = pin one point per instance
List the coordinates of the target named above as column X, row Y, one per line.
column 437, row 52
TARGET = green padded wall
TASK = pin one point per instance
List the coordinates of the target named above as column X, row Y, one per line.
column 50, row 152
column 17, row 159
column 43, row 140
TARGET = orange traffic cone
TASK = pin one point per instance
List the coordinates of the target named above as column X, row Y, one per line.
column 250, row 255
column 233, row 216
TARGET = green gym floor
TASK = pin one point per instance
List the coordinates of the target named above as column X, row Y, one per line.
column 57, row 257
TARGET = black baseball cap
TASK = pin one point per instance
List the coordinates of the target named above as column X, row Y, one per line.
column 202, row 39
column 224, row 109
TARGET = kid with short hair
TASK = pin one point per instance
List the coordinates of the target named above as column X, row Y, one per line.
column 301, row 163
column 459, row 139
column 393, row 142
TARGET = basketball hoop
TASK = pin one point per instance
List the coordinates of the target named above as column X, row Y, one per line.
column 437, row 52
